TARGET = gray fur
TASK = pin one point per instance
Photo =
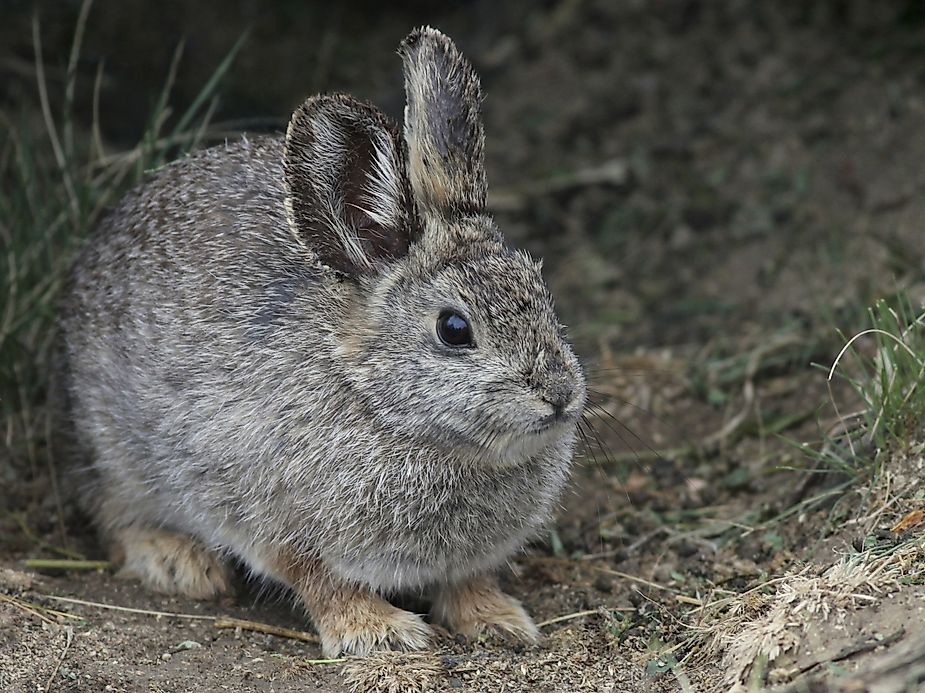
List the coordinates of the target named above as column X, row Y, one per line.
column 443, row 125
column 238, row 371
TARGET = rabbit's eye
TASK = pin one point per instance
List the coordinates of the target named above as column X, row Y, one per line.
column 453, row 329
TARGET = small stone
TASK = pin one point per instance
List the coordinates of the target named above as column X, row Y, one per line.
column 603, row 583
column 187, row 645
column 166, row 656
column 455, row 682
column 448, row 662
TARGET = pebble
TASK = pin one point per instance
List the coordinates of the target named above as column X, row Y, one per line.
column 603, row 583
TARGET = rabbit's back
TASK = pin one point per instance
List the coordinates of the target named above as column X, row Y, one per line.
column 173, row 325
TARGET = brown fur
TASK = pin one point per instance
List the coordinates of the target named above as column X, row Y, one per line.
column 478, row 606
column 349, row 617
column 170, row 563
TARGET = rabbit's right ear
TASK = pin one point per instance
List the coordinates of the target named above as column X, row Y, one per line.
column 347, row 193
column 443, row 125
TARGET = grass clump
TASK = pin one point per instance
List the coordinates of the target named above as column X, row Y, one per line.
column 56, row 181
column 884, row 366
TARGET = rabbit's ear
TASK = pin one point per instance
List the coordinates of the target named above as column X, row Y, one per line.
column 348, row 196
column 443, row 125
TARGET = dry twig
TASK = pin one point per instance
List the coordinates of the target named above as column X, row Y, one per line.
column 227, row 622
column 69, row 635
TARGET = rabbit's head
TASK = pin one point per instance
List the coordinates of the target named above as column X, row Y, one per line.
column 450, row 335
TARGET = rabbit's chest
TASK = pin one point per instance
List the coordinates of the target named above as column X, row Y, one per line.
column 429, row 528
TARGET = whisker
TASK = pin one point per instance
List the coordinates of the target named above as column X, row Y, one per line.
column 597, row 408
column 607, row 457
column 640, row 409
column 633, row 371
column 605, row 478
column 647, row 468
column 599, row 411
column 589, row 432
column 605, row 450
column 584, row 439
column 623, row 440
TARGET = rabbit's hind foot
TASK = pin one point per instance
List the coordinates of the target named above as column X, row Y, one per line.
column 479, row 607
column 366, row 624
column 171, row 563
column 350, row 618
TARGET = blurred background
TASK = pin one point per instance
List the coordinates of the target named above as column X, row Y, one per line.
column 720, row 189
column 640, row 132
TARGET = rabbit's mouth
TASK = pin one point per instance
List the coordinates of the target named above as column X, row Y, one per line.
column 518, row 447
column 520, row 444
column 554, row 420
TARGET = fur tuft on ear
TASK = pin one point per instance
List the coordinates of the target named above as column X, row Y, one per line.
column 348, row 196
column 443, row 125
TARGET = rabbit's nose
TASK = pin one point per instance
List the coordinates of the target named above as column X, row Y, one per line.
column 559, row 393
column 554, row 382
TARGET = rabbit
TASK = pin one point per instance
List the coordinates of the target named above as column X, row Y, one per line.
column 315, row 355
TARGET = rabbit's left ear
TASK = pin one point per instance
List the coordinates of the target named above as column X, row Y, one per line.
column 348, row 196
column 443, row 125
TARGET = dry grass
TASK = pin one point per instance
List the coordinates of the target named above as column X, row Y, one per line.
column 393, row 672
column 752, row 630
column 56, row 182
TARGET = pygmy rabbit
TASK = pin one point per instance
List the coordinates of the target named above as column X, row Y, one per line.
column 317, row 355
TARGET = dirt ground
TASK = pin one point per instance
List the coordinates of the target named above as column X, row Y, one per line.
column 716, row 187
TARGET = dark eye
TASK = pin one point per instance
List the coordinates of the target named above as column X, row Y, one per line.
column 453, row 329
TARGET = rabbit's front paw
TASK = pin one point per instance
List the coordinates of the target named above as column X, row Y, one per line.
column 171, row 563
column 480, row 607
column 368, row 624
